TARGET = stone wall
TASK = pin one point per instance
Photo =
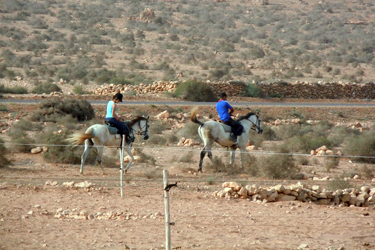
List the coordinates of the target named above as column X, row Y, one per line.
column 306, row 90
column 320, row 90
column 363, row 196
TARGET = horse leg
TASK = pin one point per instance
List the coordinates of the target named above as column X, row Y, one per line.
column 203, row 154
column 99, row 157
column 242, row 152
column 232, row 153
column 129, row 152
column 88, row 146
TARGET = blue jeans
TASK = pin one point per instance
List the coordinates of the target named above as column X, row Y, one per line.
column 123, row 129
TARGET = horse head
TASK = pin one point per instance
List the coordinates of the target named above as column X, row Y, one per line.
column 257, row 123
column 143, row 127
column 255, row 120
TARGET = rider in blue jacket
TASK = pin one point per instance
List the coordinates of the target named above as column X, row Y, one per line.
column 225, row 111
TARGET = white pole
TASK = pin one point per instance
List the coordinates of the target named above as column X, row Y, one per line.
column 122, row 165
column 167, row 215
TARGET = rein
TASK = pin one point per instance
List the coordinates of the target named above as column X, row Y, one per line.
column 256, row 125
column 141, row 130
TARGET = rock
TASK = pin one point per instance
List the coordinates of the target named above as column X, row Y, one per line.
column 163, row 115
column 232, row 185
column 283, row 197
column 243, row 192
column 36, row 150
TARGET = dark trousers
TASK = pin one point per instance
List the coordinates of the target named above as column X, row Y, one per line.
column 123, row 129
column 237, row 128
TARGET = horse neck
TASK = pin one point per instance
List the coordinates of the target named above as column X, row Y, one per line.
column 135, row 126
column 248, row 123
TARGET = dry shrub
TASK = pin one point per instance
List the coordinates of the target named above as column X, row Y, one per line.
column 331, row 163
column 188, row 157
column 217, row 165
column 54, row 109
column 68, row 122
column 367, row 172
column 278, row 166
column 361, row 145
column 195, row 91
column 24, row 125
column 59, row 151
column 154, row 174
column 190, row 130
column 157, row 140
column 143, row 157
column 338, row 184
column 21, row 142
column 3, row 159
column 171, row 138
column 156, row 127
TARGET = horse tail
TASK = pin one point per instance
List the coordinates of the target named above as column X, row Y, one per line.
column 79, row 138
column 193, row 117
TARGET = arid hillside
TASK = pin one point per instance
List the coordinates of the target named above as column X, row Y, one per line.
column 123, row 42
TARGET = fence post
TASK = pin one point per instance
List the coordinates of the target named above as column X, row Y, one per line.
column 167, row 215
column 122, row 165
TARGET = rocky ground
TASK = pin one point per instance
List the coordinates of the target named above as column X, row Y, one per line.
column 51, row 206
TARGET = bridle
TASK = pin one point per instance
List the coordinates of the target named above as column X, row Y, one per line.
column 141, row 130
column 257, row 124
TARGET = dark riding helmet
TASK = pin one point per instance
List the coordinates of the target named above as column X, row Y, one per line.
column 118, row 96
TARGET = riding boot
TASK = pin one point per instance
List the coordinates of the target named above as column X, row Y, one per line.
column 129, row 139
column 233, row 137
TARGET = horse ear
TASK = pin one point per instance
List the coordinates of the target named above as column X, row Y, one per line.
column 147, row 117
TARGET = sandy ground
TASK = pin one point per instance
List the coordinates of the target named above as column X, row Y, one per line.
column 38, row 215
column 28, row 209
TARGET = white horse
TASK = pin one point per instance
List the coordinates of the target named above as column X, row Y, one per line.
column 100, row 135
column 213, row 131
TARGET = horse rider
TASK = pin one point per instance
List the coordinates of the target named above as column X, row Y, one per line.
column 225, row 111
column 115, row 120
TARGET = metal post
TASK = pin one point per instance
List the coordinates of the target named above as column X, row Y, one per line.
column 167, row 215
column 122, row 165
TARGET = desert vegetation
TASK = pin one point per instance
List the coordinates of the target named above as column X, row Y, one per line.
column 131, row 42
column 288, row 146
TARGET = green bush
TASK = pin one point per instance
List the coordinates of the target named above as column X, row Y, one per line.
column 195, row 91
column 252, row 90
column 52, row 110
column 78, row 90
column 46, row 88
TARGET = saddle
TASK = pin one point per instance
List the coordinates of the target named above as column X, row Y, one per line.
column 112, row 129
column 226, row 127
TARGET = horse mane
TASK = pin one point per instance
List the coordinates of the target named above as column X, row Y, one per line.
column 245, row 116
column 134, row 121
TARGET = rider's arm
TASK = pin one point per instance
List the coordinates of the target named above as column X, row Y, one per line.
column 113, row 112
column 231, row 111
